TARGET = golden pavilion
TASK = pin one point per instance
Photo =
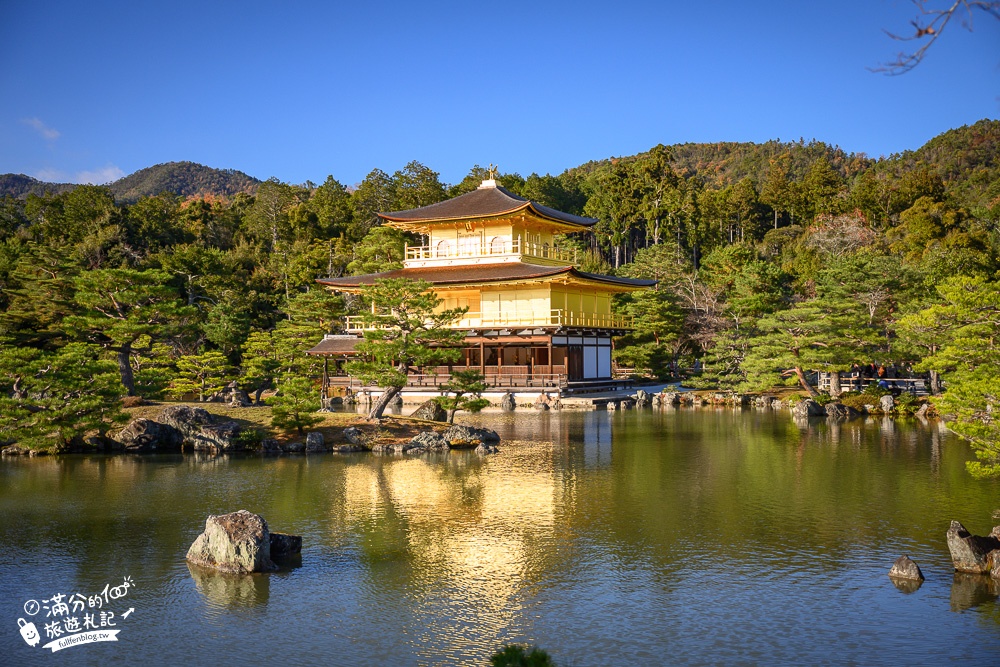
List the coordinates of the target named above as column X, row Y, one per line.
column 533, row 320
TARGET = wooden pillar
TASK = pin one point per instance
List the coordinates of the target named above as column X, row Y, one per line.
column 482, row 357
column 550, row 358
column 325, row 389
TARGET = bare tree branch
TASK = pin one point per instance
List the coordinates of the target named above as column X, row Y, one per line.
column 928, row 26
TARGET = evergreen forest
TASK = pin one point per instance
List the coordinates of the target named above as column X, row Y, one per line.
column 774, row 260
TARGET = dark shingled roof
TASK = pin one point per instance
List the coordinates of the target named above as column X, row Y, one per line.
column 479, row 273
column 335, row 345
column 484, row 202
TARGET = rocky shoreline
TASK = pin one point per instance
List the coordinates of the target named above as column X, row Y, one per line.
column 184, row 428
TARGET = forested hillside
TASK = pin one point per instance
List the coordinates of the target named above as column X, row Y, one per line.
column 773, row 260
column 185, row 179
column 19, row 185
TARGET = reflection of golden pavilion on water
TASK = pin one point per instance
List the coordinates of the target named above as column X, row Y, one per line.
column 533, row 320
column 474, row 525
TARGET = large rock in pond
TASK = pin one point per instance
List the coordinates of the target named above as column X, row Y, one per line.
column 808, row 408
column 430, row 440
column 460, row 436
column 145, row 435
column 542, row 401
column 238, row 542
column 431, row 411
column 887, row 403
column 973, row 553
column 904, row 568
column 507, row 402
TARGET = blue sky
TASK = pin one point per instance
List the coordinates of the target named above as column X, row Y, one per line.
column 299, row 90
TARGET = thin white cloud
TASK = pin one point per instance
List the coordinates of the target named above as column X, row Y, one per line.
column 50, row 133
column 50, row 175
column 99, row 176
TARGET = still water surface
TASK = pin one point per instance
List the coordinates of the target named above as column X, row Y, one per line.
column 647, row 538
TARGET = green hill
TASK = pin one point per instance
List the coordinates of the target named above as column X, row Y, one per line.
column 181, row 178
column 184, row 179
column 19, row 185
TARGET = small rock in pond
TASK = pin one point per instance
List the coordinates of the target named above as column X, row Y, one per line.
column 283, row 544
column 904, row 568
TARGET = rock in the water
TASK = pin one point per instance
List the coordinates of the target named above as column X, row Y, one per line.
column 459, row 436
column 611, row 406
column 283, row 544
column 507, row 403
column 972, row 553
column 887, row 403
column 315, row 442
column 293, row 447
column 382, row 448
column 904, row 568
column 353, row 435
column 556, row 404
column 430, row 440
column 808, row 408
column 840, row 411
column 395, row 402
column 144, row 435
column 431, row 411
column 238, row 542
column 922, row 412
column 270, row 445
column 542, row 401
column 487, row 449
column 626, row 404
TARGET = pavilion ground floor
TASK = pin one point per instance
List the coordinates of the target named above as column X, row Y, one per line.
column 563, row 361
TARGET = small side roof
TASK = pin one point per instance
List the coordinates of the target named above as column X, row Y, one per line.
column 486, row 201
column 335, row 346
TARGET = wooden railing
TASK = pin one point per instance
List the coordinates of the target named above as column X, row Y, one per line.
column 496, row 250
column 557, row 317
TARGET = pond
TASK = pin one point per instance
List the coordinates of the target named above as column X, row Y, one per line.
column 690, row 536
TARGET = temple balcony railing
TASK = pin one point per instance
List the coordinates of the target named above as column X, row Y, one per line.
column 556, row 318
column 454, row 254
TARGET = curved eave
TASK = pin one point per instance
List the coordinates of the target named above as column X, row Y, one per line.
column 468, row 277
column 537, row 210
